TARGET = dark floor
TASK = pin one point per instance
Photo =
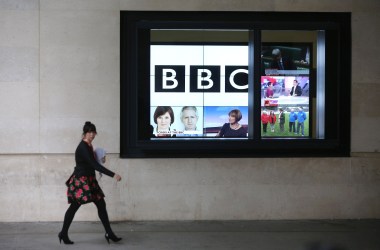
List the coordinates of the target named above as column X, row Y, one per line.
column 260, row 235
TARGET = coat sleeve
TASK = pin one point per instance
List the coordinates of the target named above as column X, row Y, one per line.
column 90, row 158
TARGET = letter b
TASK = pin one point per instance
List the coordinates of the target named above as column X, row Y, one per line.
column 204, row 78
column 169, row 78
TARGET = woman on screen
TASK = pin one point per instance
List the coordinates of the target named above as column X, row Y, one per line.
column 264, row 121
column 233, row 128
column 272, row 120
column 269, row 91
column 164, row 118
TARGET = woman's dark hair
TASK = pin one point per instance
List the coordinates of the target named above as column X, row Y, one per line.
column 160, row 110
column 89, row 127
column 236, row 113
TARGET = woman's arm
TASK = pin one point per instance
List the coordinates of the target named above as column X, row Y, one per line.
column 90, row 159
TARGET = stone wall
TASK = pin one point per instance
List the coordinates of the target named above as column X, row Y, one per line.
column 59, row 66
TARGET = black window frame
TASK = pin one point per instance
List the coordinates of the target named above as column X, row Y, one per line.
column 134, row 84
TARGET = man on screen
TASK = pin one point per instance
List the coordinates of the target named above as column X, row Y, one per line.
column 296, row 89
column 280, row 62
column 189, row 118
column 301, row 117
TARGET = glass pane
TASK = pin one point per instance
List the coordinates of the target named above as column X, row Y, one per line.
column 199, row 84
column 288, row 79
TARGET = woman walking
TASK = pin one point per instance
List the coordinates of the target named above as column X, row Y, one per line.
column 83, row 188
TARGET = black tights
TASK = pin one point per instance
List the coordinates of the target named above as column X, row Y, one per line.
column 102, row 212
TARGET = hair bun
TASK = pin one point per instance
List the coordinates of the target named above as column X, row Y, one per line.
column 88, row 127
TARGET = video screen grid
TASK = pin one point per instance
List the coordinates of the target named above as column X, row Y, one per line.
column 285, row 84
column 195, row 89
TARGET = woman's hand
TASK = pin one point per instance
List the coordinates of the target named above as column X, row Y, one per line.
column 117, row 177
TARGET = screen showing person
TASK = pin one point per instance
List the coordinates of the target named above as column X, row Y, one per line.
column 189, row 118
column 286, row 58
column 280, row 62
column 269, row 91
column 164, row 118
column 233, row 128
column 296, row 89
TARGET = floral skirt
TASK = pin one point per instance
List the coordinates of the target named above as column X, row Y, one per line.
column 83, row 189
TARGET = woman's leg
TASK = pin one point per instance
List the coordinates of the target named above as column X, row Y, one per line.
column 69, row 216
column 103, row 216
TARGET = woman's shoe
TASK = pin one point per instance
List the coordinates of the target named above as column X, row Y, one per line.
column 65, row 239
column 112, row 237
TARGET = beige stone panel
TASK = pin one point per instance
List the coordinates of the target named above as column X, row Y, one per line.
column 80, row 28
column 55, row 169
column 19, row 188
column 163, row 188
column 312, row 5
column 226, row 171
column 312, row 171
column 365, row 49
column 75, row 5
column 166, row 202
column 284, row 171
column 365, row 170
column 63, row 134
column 159, row 171
column 235, row 202
column 211, row 5
column 80, row 64
column 365, row 100
column 19, row 135
column 19, row 28
column 365, row 136
column 65, row 108
column 22, row 203
column 19, row 5
column 80, row 99
column 19, row 117
column 325, row 201
column 19, row 100
column 366, row 203
column 369, row 6
column 80, row 46
column 272, row 201
column 19, row 64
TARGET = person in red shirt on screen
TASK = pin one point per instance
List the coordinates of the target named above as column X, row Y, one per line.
column 264, row 121
column 269, row 92
column 272, row 120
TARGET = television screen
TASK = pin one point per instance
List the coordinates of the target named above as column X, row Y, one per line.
column 194, row 88
column 285, row 85
column 285, row 59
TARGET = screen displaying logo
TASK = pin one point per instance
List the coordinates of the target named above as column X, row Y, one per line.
column 197, row 89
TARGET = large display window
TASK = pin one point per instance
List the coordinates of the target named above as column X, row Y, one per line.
column 234, row 84
column 195, row 94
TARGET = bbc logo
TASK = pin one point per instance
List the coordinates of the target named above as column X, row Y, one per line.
column 202, row 78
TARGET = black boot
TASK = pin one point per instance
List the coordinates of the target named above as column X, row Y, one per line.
column 65, row 239
column 112, row 237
